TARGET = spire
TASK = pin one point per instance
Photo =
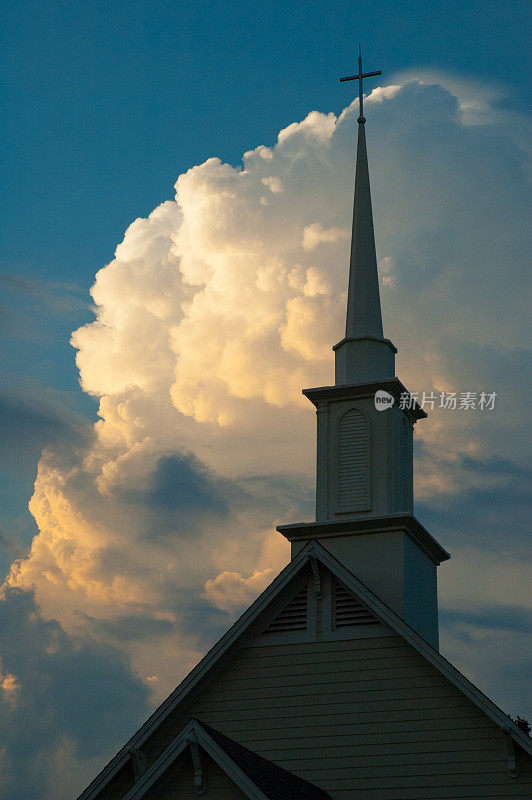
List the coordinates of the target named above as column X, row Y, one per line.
column 364, row 355
column 363, row 301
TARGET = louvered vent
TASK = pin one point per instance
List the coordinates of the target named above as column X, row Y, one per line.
column 348, row 610
column 293, row 617
column 403, row 486
column 353, row 462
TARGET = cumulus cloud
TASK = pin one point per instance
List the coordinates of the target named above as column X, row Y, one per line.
column 315, row 234
column 230, row 591
column 217, row 310
column 273, row 183
column 9, row 686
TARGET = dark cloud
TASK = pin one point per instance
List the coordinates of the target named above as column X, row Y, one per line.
column 175, row 499
column 293, row 495
column 502, row 493
column 181, row 483
column 84, row 692
column 515, row 677
column 57, row 297
column 177, row 494
column 11, row 543
column 509, row 618
column 490, row 645
column 131, row 628
column 31, row 421
column 202, row 619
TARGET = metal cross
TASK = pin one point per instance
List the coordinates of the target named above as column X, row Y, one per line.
column 359, row 78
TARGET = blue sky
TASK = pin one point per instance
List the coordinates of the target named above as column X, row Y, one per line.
column 105, row 106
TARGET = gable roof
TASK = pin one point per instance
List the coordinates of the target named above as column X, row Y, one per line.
column 257, row 777
column 313, row 550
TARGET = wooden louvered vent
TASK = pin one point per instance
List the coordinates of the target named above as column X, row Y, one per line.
column 353, row 463
column 293, row 617
column 403, row 466
column 347, row 609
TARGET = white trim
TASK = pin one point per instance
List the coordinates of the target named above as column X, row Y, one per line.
column 229, row 767
column 157, row 769
column 178, row 746
column 389, row 617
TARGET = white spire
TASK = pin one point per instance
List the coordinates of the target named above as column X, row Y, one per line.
column 363, row 302
column 364, row 355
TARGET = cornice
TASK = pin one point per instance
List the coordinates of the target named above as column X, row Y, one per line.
column 356, row 390
column 393, row 523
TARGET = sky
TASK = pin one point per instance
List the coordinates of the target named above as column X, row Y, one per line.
column 178, row 189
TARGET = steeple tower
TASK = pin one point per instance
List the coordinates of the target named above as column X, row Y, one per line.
column 364, row 480
column 364, row 354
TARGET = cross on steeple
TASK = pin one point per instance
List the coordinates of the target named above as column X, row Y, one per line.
column 363, row 330
column 359, row 77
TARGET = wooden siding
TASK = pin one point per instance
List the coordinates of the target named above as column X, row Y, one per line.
column 362, row 718
column 178, row 782
column 119, row 784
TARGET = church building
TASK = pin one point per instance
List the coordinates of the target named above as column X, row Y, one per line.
column 331, row 685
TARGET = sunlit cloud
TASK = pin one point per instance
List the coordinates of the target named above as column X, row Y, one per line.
column 9, row 686
column 230, row 591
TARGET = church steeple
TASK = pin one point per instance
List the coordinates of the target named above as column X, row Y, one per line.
column 363, row 354
column 364, row 475
column 363, row 302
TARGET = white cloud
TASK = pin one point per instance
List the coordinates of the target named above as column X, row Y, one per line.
column 315, row 234
column 232, row 592
column 9, row 686
column 274, row 184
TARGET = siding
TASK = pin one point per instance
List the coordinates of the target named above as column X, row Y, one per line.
column 363, row 718
column 118, row 785
column 178, row 783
